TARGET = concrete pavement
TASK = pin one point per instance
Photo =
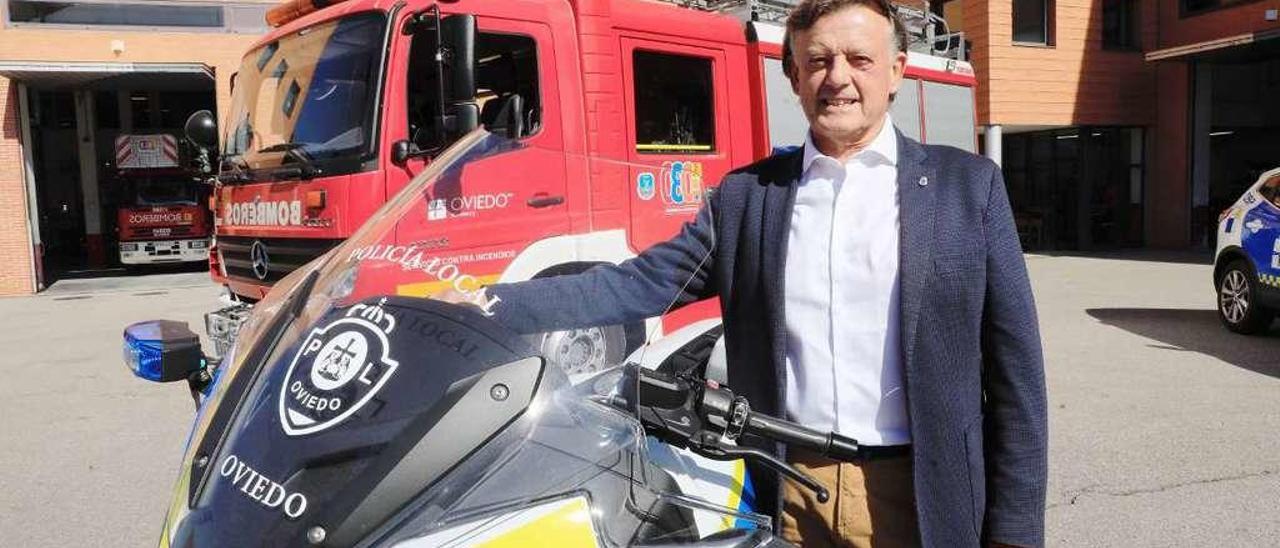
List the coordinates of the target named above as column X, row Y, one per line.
column 1163, row 425
column 88, row 453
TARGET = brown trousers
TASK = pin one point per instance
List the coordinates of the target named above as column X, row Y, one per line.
column 871, row 504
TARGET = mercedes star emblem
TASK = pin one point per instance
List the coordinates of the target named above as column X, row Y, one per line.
column 258, row 256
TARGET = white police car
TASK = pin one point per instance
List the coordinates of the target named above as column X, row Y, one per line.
column 1246, row 270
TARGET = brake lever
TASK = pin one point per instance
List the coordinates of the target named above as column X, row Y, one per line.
column 709, row 445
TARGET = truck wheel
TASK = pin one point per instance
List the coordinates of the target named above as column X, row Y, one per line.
column 587, row 350
column 1238, row 308
column 590, row 349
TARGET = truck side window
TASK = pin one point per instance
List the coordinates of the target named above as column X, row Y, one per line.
column 506, row 64
column 674, row 103
column 787, row 124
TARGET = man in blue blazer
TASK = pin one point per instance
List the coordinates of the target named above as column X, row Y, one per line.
column 869, row 285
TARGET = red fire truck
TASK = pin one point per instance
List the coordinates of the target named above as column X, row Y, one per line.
column 338, row 108
column 163, row 217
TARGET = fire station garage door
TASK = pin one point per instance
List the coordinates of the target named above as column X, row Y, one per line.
column 71, row 114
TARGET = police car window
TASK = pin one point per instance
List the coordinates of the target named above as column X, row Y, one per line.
column 506, row 64
column 674, row 103
column 1271, row 190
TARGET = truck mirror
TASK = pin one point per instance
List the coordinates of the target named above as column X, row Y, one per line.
column 162, row 350
column 202, row 129
column 504, row 116
column 463, row 117
column 458, row 49
column 458, row 36
column 400, row 151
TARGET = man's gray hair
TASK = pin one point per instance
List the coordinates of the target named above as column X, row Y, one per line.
column 807, row 13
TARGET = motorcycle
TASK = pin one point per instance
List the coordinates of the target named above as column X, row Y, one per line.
column 358, row 409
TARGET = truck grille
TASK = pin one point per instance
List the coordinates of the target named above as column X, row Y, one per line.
column 284, row 255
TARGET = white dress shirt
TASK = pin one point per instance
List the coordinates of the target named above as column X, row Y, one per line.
column 844, row 365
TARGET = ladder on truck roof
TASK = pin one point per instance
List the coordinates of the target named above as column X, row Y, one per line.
column 771, row 11
column 927, row 32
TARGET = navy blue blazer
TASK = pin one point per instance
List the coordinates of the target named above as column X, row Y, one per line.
column 970, row 341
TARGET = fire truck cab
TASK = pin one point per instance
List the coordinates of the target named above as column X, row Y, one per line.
column 338, row 108
column 164, row 217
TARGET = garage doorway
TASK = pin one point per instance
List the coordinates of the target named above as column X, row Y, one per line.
column 72, row 118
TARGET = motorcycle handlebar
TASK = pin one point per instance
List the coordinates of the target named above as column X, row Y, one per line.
column 828, row 444
column 718, row 405
column 678, row 407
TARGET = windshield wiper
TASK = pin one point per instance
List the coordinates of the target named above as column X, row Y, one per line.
column 238, row 172
column 306, row 168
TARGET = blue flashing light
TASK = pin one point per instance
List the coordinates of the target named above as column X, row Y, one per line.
column 143, row 357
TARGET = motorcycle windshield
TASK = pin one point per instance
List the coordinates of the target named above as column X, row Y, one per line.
column 372, row 399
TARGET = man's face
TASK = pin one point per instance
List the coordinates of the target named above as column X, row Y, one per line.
column 845, row 68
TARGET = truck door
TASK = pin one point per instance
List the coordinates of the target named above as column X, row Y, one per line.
column 497, row 207
column 678, row 133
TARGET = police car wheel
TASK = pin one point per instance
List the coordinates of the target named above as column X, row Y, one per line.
column 1237, row 306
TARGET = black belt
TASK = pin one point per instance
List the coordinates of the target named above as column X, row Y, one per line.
column 877, row 452
column 863, row 453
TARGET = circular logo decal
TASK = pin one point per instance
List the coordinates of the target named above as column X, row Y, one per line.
column 339, row 360
column 258, row 257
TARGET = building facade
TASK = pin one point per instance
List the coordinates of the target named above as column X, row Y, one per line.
column 1117, row 123
column 1124, row 123
column 73, row 76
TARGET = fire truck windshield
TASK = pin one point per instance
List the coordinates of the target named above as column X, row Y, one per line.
column 151, row 191
column 309, row 95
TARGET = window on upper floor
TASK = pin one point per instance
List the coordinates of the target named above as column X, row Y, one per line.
column 1120, row 24
column 1033, row 22
column 244, row 18
column 1188, row 8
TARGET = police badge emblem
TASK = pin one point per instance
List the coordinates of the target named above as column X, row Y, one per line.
column 337, row 370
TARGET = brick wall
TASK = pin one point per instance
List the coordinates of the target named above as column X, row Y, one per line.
column 220, row 51
column 1169, row 179
column 15, row 241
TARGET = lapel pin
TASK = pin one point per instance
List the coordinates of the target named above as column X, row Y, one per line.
column 924, row 181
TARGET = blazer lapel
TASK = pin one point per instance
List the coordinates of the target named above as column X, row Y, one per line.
column 917, row 190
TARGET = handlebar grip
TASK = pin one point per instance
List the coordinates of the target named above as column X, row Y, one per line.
column 786, row 432
column 824, row 443
column 842, row 448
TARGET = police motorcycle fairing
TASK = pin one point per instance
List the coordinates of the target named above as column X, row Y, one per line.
column 361, row 406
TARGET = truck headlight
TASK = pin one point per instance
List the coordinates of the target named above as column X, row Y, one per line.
column 198, row 244
column 128, row 247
